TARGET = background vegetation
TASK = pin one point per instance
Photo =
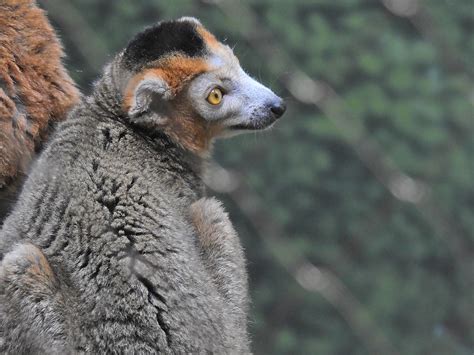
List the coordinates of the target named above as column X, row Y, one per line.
column 357, row 210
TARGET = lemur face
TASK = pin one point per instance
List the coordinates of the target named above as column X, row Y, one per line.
column 181, row 80
column 226, row 94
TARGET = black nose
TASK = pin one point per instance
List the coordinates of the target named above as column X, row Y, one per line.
column 278, row 109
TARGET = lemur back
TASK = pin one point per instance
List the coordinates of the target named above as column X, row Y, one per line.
column 112, row 246
column 35, row 91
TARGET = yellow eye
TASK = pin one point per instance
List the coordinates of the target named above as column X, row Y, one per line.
column 215, row 96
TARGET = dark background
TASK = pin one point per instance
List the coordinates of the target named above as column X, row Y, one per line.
column 357, row 210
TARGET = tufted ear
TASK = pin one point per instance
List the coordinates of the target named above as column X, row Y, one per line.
column 141, row 94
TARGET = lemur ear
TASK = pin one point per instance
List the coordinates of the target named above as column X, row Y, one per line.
column 144, row 92
column 190, row 19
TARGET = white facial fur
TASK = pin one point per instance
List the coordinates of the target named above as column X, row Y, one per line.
column 246, row 104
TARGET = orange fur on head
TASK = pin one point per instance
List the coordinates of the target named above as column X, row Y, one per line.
column 208, row 37
column 176, row 71
column 185, row 126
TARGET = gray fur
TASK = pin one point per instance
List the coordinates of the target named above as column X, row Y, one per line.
column 109, row 207
column 112, row 248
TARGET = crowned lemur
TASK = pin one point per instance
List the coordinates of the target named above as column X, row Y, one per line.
column 112, row 247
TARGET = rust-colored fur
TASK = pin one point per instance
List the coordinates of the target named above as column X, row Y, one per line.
column 35, row 90
column 175, row 71
column 184, row 126
column 209, row 38
column 29, row 263
column 190, row 130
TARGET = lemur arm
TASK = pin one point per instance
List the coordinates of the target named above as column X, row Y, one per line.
column 222, row 254
column 31, row 304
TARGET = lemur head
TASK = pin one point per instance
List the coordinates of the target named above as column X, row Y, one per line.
column 181, row 80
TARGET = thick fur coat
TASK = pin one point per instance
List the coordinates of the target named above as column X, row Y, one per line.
column 112, row 248
column 35, row 90
column 110, row 209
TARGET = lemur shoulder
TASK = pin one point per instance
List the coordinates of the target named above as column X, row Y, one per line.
column 35, row 90
column 112, row 246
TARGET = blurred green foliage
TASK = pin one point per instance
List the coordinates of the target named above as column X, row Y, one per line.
column 412, row 92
